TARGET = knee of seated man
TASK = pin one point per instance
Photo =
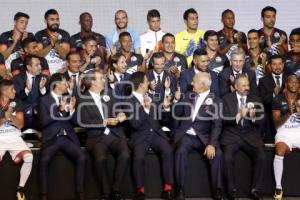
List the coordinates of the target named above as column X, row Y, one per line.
column 28, row 158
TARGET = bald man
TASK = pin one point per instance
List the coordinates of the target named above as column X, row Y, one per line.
column 199, row 130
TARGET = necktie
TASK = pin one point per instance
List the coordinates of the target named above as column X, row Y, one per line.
column 237, row 74
column 121, row 77
column 277, row 80
column 158, row 79
column 242, row 105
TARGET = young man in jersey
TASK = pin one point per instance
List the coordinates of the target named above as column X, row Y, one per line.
column 112, row 38
column 229, row 37
column 292, row 62
column 216, row 61
column 11, row 122
column 86, row 24
column 10, row 41
column 256, row 59
column 286, row 116
column 53, row 42
column 272, row 39
column 151, row 40
column 134, row 61
column 188, row 40
column 29, row 47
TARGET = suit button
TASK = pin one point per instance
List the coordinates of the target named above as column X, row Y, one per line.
column 151, row 130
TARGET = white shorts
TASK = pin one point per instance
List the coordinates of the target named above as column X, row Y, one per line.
column 291, row 139
column 16, row 147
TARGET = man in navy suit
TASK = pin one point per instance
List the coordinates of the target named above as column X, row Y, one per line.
column 146, row 133
column 30, row 86
column 200, row 61
column 99, row 115
column 199, row 130
column 58, row 133
column 243, row 115
column 227, row 75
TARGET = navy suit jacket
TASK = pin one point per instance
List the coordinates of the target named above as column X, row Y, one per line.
column 225, row 82
column 32, row 100
column 207, row 124
column 187, row 76
column 121, row 88
column 142, row 124
column 91, row 119
column 161, row 91
column 52, row 121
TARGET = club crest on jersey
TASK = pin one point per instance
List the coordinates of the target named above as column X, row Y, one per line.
column 218, row 59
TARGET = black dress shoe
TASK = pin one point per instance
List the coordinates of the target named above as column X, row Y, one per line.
column 139, row 196
column 232, row 195
column 218, row 194
column 167, row 195
column 255, row 195
column 116, row 196
column 180, row 195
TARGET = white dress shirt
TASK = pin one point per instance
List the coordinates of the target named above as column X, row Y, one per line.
column 29, row 79
column 140, row 98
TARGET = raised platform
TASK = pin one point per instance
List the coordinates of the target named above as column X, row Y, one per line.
column 62, row 183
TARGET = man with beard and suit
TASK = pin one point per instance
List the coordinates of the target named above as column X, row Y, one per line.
column 100, row 116
column 53, row 42
column 146, row 133
column 269, row 87
column 243, row 115
column 57, row 119
column 201, row 62
column 30, row 86
column 228, row 75
column 200, row 130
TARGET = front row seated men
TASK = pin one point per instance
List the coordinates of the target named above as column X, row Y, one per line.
column 57, row 113
column 286, row 116
column 11, row 122
column 243, row 115
column 199, row 129
column 97, row 115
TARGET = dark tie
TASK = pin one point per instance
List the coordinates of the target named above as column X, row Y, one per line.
column 34, row 90
column 277, row 80
column 237, row 74
column 158, row 79
column 242, row 100
column 74, row 89
column 121, row 77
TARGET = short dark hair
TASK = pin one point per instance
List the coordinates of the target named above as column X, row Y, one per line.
column 167, row 35
column 157, row 55
column 210, row 33
column 227, row 11
column 200, row 52
column 124, row 34
column 88, row 38
column 153, row 13
column 50, row 12
column 189, row 11
column 89, row 76
column 83, row 14
column 267, row 8
column 136, row 79
column 6, row 82
column 253, row 31
column 27, row 41
column 18, row 15
column 114, row 59
column 71, row 53
column 28, row 60
column 276, row 56
column 56, row 77
column 295, row 31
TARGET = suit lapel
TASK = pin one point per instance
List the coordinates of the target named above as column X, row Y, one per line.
column 93, row 108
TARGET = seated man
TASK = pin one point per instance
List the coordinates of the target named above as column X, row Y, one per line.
column 286, row 116
column 201, row 62
column 30, row 86
column 243, row 115
column 98, row 114
column 227, row 76
column 11, row 122
column 199, row 131
column 57, row 118
column 147, row 133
